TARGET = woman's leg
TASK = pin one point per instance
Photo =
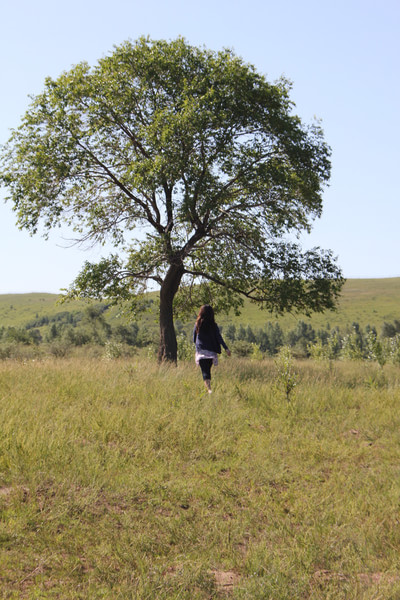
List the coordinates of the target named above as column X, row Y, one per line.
column 205, row 366
column 207, row 383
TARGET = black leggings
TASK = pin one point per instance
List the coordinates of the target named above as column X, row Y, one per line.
column 205, row 366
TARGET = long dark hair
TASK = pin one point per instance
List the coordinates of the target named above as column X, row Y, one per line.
column 205, row 318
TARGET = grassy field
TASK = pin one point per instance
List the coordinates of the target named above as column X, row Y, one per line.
column 366, row 301
column 16, row 310
column 124, row 480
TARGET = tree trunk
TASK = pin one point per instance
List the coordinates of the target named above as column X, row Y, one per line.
column 167, row 350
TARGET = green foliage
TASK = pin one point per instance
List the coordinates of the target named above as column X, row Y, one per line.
column 286, row 374
column 114, row 349
column 241, row 348
column 388, row 330
column 318, row 350
column 250, row 335
column 352, row 345
column 60, row 348
column 241, row 334
column 198, row 148
column 275, row 337
column 325, row 351
column 256, row 353
column 127, row 334
column 394, row 349
column 61, row 333
column 376, row 349
column 185, row 348
column 303, row 333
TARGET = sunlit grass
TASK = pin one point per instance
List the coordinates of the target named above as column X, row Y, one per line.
column 121, row 479
column 366, row 301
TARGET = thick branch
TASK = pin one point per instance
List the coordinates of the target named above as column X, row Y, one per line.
column 122, row 187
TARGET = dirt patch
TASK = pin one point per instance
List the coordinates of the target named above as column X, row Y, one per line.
column 225, row 580
column 377, row 578
column 329, row 576
column 8, row 491
column 365, row 578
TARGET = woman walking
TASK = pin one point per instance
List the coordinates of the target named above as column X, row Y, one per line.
column 208, row 340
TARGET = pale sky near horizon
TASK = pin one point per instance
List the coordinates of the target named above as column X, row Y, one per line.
column 341, row 55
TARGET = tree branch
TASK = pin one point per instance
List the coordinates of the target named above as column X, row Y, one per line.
column 225, row 284
column 122, row 187
column 129, row 134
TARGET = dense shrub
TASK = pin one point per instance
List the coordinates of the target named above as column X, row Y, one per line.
column 242, row 348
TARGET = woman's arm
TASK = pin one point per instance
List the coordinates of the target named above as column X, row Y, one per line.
column 222, row 341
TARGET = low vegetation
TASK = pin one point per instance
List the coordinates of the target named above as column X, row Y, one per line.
column 366, row 326
column 64, row 332
column 123, row 479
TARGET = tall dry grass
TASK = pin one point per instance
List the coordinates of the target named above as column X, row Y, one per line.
column 121, row 479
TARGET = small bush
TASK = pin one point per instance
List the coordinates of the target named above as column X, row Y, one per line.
column 376, row 349
column 6, row 351
column 256, row 353
column 352, row 346
column 242, row 348
column 113, row 349
column 59, row 348
column 185, row 347
column 286, row 376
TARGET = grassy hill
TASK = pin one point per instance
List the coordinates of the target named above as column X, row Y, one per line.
column 16, row 310
column 366, row 301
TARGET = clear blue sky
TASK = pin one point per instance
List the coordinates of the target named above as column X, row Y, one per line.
column 341, row 55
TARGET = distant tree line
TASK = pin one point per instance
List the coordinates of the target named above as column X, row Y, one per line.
column 351, row 342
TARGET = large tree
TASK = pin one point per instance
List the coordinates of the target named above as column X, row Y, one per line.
column 192, row 164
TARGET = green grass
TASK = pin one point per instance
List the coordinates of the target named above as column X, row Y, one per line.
column 124, row 480
column 366, row 301
column 17, row 309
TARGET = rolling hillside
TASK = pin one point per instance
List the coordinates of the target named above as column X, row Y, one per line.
column 366, row 301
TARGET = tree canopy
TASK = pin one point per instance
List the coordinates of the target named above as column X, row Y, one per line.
column 192, row 164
